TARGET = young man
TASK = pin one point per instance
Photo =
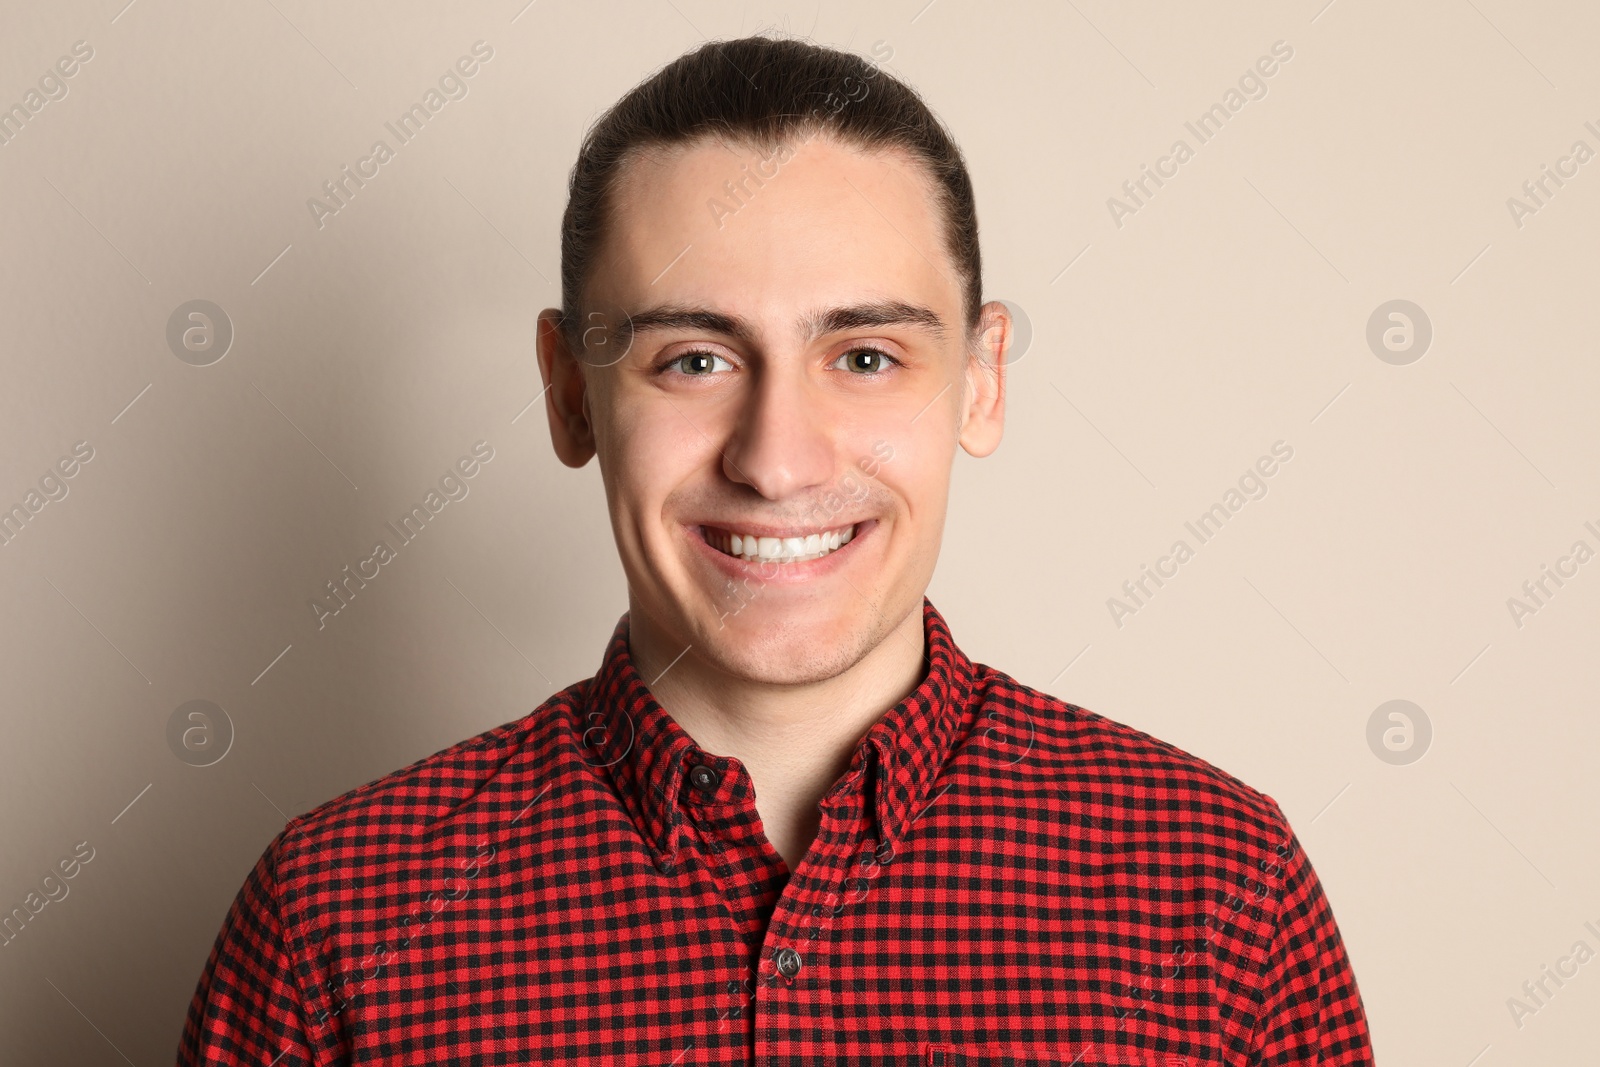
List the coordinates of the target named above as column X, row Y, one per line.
column 788, row 821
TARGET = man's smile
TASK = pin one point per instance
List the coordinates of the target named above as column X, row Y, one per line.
column 779, row 554
column 759, row 544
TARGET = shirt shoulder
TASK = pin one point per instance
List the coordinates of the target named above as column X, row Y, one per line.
column 404, row 811
column 1131, row 778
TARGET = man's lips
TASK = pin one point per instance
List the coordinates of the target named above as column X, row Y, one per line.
column 780, row 551
column 781, row 545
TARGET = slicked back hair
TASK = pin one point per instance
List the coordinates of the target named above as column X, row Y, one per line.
column 767, row 92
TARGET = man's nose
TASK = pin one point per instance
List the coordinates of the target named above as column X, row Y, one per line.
column 781, row 442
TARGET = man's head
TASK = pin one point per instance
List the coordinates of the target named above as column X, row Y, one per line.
column 772, row 332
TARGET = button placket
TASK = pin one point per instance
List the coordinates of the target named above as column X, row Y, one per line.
column 702, row 782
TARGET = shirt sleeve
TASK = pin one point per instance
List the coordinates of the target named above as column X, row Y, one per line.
column 248, row 1009
column 1311, row 1010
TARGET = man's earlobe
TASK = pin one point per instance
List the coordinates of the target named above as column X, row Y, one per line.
column 983, row 413
column 566, row 397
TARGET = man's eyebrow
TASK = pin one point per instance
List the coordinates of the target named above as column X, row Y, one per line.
column 877, row 313
column 681, row 317
column 814, row 325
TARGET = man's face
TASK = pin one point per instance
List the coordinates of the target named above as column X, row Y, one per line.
column 776, row 444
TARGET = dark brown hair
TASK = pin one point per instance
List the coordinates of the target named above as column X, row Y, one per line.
column 764, row 91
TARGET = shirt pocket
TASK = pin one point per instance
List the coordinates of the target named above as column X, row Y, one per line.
column 1082, row 1056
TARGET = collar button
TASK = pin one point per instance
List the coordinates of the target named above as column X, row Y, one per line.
column 704, row 778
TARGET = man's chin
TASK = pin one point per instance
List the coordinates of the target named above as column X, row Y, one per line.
column 771, row 650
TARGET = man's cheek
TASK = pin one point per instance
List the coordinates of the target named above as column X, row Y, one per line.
column 872, row 462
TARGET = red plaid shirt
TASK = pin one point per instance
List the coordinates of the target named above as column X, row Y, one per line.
column 999, row 878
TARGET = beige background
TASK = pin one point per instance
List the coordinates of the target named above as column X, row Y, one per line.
column 1167, row 354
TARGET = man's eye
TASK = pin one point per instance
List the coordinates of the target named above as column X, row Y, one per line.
column 699, row 363
column 864, row 361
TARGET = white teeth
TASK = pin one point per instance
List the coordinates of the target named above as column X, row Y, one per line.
column 783, row 549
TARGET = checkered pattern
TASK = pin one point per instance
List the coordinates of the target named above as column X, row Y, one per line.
column 999, row 878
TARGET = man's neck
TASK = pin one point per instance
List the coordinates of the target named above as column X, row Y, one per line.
column 795, row 740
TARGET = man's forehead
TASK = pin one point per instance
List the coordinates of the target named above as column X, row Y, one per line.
column 825, row 226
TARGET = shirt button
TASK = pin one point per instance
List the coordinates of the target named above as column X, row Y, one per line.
column 788, row 962
column 704, row 778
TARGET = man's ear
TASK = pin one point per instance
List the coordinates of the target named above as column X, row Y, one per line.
column 566, row 400
column 983, row 415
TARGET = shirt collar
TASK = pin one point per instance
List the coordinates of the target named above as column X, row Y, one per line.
column 625, row 731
